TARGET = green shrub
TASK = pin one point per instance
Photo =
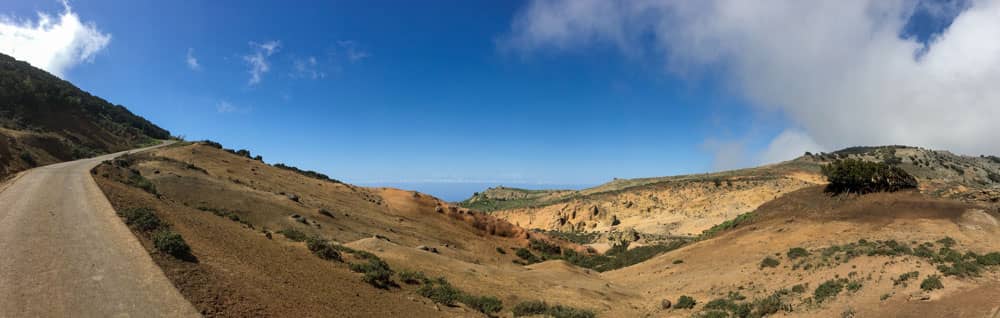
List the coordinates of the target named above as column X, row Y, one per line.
column 137, row 180
column 560, row 311
column 678, row 261
column 903, row 278
column 501, row 250
column 142, row 219
column 800, row 288
column 485, row 304
column 530, row 308
column 769, row 262
column 828, row 289
column 294, row 235
column 171, row 243
column 685, row 302
column 29, row 159
column 854, row 286
column 323, row 249
column 932, row 282
column 413, row 277
column 377, row 272
column 857, row 176
column 797, row 252
column 991, row 259
column 535, row 307
column 947, row 241
column 527, row 256
column 728, row 224
column 440, row 291
column 545, row 247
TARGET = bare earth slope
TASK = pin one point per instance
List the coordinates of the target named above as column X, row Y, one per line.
column 66, row 253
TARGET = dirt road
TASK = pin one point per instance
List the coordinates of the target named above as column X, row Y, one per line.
column 64, row 252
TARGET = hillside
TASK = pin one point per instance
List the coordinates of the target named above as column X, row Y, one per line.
column 273, row 240
column 687, row 205
column 44, row 119
column 249, row 226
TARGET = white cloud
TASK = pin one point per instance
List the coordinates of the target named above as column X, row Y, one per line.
column 259, row 65
column 192, row 62
column 727, row 154
column 225, row 107
column 307, row 68
column 788, row 145
column 352, row 51
column 840, row 70
column 53, row 43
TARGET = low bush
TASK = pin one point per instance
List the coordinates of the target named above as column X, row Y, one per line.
column 413, row 277
column 527, row 256
column 171, row 243
column 769, row 262
column 685, row 302
column 501, row 250
column 932, row 282
column 440, row 291
column 142, row 219
column 797, row 252
column 377, row 272
column 323, row 249
column 828, row 289
column 485, row 304
column 28, row 159
column 903, row 278
column 294, row 235
column 728, row 224
column 535, row 308
column 530, row 308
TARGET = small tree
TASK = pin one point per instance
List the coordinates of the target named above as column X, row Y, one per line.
column 857, row 176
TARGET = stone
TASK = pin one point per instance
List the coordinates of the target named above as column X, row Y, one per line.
column 665, row 304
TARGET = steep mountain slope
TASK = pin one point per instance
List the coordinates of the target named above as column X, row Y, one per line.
column 44, row 119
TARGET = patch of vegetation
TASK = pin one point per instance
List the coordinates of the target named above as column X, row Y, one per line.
column 618, row 256
column 377, row 272
column 854, row 286
column 501, row 250
column 485, row 304
column 441, row 291
column 861, row 177
column 142, row 219
column 535, row 307
column 797, row 252
column 323, row 249
column 685, row 302
column 733, row 305
column 232, row 216
column 575, row 236
column 728, row 224
column 678, row 261
column 544, row 247
column 769, row 262
column 829, row 289
column 904, row 278
column 171, row 243
column 29, row 159
column 799, row 288
column 294, row 235
column 932, row 282
column 307, row 173
column 413, row 277
column 527, row 256
column 137, row 180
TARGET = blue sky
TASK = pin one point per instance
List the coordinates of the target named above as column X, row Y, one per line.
column 443, row 97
